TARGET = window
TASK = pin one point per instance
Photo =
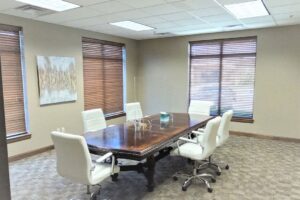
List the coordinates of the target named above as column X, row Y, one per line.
column 223, row 71
column 103, row 76
column 12, row 81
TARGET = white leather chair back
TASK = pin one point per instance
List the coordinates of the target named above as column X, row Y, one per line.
column 200, row 107
column 93, row 120
column 133, row 111
column 223, row 132
column 209, row 137
column 73, row 157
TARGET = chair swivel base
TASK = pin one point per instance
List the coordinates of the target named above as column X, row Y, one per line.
column 93, row 195
column 209, row 163
column 190, row 178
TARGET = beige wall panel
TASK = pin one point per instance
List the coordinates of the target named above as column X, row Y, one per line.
column 163, row 78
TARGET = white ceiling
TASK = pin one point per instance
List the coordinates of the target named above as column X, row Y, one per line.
column 168, row 17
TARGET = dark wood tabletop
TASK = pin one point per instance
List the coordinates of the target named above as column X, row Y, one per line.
column 126, row 141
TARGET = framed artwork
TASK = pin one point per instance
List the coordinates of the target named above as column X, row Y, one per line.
column 57, row 79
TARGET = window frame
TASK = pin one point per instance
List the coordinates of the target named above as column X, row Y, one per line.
column 15, row 137
column 122, row 113
column 234, row 119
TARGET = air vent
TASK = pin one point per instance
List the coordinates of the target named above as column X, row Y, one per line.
column 34, row 10
column 233, row 26
column 163, row 33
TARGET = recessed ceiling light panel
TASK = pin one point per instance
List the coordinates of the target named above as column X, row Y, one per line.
column 56, row 5
column 132, row 26
column 248, row 9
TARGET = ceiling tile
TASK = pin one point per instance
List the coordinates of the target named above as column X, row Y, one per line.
column 287, row 22
column 194, row 4
column 142, row 4
column 109, row 7
column 228, row 23
column 212, row 11
column 9, row 4
column 218, row 18
column 73, row 14
column 285, row 9
column 186, row 22
column 87, row 21
column 260, row 24
column 274, row 3
column 150, row 20
column 287, row 16
column 262, row 19
column 184, row 16
column 198, row 31
column 226, row 2
column 87, row 2
column 194, row 27
column 18, row 13
column 177, row 16
column 161, row 9
column 105, row 19
column 164, row 25
column 184, row 28
column 129, row 15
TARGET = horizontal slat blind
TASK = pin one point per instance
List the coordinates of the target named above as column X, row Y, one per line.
column 103, row 75
column 12, row 80
column 205, row 80
column 223, row 71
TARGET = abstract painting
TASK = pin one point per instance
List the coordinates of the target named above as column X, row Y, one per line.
column 57, row 79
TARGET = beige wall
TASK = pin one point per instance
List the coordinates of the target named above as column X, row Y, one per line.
column 163, row 78
column 48, row 39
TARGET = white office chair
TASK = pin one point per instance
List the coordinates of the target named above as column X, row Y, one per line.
column 133, row 111
column 93, row 120
column 200, row 107
column 74, row 161
column 222, row 136
column 223, row 132
column 199, row 152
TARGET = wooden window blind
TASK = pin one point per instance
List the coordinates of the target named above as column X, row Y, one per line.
column 103, row 76
column 12, row 80
column 223, row 71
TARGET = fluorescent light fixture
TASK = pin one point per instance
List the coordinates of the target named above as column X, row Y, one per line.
column 132, row 26
column 247, row 9
column 56, row 5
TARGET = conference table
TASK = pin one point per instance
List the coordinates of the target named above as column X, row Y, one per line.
column 149, row 140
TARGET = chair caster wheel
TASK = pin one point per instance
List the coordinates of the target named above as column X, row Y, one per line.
column 210, row 190
column 114, row 177
column 213, row 180
column 184, row 189
column 219, row 173
column 175, row 178
column 93, row 197
column 227, row 167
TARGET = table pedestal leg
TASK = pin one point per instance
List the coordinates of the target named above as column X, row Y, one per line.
column 150, row 172
column 114, row 177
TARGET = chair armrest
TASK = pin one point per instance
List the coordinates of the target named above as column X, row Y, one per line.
column 198, row 132
column 104, row 157
column 187, row 140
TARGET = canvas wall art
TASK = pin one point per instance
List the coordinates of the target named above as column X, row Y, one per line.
column 57, row 79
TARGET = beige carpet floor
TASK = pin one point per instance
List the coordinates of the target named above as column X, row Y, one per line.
column 259, row 170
